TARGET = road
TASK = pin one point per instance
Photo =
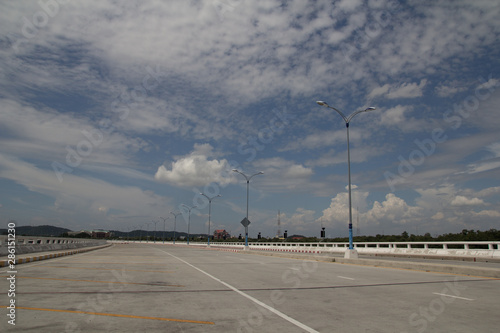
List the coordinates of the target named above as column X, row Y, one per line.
column 160, row 288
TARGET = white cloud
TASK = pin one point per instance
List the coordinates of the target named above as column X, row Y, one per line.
column 407, row 90
column 488, row 191
column 379, row 91
column 460, row 200
column 196, row 169
column 51, row 136
column 338, row 211
column 487, row 213
column 393, row 209
column 281, row 174
column 394, row 116
column 301, row 220
column 446, row 91
column 76, row 199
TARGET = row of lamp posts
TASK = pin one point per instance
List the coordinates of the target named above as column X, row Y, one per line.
column 350, row 253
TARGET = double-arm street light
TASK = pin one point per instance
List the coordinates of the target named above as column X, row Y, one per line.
column 164, row 220
column 175, row 221
column 209, row 212
column 189, row 218
column 147, row 231
column 351, row 253
column 248, row 182
column 154, row 234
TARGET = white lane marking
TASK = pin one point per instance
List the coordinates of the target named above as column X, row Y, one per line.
column 467, row 299
column 344, row 277
column 273, row 310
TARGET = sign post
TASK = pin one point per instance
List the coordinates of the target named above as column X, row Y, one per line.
column 245, row 222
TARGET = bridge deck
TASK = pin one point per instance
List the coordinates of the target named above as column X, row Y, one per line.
column 158, row 288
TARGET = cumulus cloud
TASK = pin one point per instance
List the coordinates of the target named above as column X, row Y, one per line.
column 338, row 211
column 196, row 169
column 463, row 201
column 393, row 211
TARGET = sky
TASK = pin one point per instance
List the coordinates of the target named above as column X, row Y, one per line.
column 113, row 114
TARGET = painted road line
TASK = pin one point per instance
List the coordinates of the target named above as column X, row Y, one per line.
column 264, row 305
column 76, row 280
column 115, row 315
column 466, row 299
column 344, row 277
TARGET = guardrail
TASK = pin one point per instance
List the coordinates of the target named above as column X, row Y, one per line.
column 451, row 249
column 32, row 244
column 486, row 249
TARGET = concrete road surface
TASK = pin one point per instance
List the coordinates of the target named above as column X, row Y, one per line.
column 160, row 288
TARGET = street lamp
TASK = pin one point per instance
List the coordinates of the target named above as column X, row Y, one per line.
column 209, row 212
column 147, row 231
column 164, row 220
column 154, row 235
column 175, row 221
column 189, row 218
column 351, row 253
column 248, row 182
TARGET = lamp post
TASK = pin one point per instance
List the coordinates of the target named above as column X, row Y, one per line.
column 175, row 221
column 140, row 233
column 164, row 220
column 189, row 218
column 209, row 213
column 248, row 182
column 154, row 234
column 147, row 231
column 351, row 253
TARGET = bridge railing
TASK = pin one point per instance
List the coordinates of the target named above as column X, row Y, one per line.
column 486, row 249
column 32, row 244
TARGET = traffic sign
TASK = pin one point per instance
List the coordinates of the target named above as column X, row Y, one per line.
column 245, row 222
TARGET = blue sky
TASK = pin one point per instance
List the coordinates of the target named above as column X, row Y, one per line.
column 116, row 113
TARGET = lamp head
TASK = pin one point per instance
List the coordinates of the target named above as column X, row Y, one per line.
column 371, row 108
column 322, row 103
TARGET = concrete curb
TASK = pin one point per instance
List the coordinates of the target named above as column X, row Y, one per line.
column 416, row 266
column 34, row 257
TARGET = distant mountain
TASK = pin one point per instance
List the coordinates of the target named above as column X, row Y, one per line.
column 149, row 233
column 40, row 230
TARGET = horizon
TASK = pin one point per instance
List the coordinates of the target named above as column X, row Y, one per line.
column 116, row 115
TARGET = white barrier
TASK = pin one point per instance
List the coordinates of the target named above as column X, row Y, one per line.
column 32, row 244
column 486, row 249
